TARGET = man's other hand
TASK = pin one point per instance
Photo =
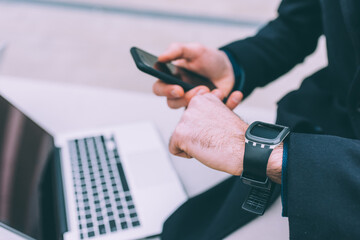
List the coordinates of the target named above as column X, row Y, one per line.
column 210, row 63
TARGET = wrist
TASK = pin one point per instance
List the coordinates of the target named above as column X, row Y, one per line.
column 238, row 73
column 274, row 166
column 229, row 72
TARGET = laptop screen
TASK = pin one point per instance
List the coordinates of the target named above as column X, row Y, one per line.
column 24, row 150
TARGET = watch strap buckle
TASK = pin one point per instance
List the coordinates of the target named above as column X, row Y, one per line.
column 266, row 184
column 258, row 199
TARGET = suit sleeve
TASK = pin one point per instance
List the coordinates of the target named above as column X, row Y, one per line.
column 323, row 187
column 280, row 45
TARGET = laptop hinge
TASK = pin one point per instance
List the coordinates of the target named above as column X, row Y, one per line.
column 59, row 194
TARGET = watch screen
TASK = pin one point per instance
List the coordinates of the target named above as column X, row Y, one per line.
column 264, row 131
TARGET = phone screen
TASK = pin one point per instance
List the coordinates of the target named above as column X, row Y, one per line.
column 177, row 72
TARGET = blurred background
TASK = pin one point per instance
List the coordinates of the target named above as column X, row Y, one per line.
column 88, row 41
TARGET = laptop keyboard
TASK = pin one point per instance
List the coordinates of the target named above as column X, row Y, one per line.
column 103, row 198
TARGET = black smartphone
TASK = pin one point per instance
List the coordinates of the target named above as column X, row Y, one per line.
column 168, row 72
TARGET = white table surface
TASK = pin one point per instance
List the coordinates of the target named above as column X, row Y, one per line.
column 61, row 108
column 8, row 233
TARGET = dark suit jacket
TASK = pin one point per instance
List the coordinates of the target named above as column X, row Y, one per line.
column 323, row 173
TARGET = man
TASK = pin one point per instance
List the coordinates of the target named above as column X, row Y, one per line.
column 318, row 166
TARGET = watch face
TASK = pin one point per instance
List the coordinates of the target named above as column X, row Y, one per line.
column 266, row 133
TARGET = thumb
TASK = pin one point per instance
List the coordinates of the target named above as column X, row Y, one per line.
column 234, row 99
column 218, row 93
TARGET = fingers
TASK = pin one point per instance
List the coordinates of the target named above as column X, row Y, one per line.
column 184, row 101
column 177, row 103
column 176, row 51
column 200, row 90
column 181, row 63
column 176, row 97
column 218, row 93
column 234, row 99
column 178, row 152
column 174, row 145
column 170, row 91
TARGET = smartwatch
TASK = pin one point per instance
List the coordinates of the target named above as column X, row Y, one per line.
column 260, row 140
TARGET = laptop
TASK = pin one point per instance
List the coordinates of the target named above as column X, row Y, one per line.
column 110, row 183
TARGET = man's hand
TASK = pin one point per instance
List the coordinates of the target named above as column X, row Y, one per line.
column 211, row 133
column 214, row 135
column 210, row 63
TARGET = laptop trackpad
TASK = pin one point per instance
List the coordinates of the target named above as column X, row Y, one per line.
column 149, row 168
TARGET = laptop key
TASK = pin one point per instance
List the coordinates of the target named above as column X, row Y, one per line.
column 102, row 229
column 113, row 227
column 91, row 234
column 124, row 225
column 136, row 223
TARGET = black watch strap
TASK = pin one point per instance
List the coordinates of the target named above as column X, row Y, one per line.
column 255, row 164
column 254, row 174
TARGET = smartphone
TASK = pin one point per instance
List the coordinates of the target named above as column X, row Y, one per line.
column 168, row 72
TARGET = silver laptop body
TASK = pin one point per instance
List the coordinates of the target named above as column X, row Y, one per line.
column 109, row 183
column 119, row 182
